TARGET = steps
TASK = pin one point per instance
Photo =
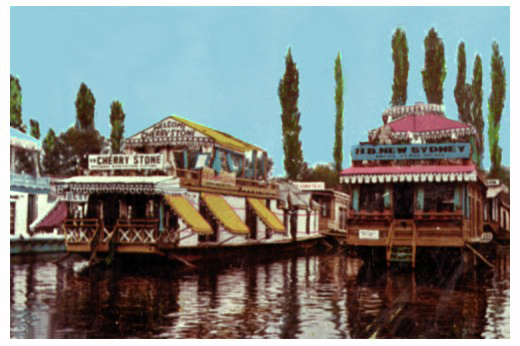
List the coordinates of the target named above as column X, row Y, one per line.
column 401, row 242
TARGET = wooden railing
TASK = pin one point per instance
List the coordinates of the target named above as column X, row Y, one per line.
column 136, row 231
column 373, row 215
column 80, row 231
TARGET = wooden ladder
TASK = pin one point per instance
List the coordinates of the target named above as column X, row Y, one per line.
column 406, row 247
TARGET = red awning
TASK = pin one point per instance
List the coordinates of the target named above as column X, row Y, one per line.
column 53, row 219
column 395, row 174
column 409, row 169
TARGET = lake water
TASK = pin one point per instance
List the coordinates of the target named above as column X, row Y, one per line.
column 314, row 296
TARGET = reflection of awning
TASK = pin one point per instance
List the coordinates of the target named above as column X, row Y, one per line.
column 266, row 215
column 54, row 217
column 223, row 211
column 189, row 214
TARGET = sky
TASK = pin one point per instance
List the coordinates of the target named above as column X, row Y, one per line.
column 221, row 66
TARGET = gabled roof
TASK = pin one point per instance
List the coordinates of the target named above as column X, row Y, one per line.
column 220, row 138
column 427, row 125
column 204, row 136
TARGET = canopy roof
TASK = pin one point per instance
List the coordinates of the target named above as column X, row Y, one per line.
column 120, row 184
column 52, row 218
column 189, row 214
column 23, row 140
column 224, row 213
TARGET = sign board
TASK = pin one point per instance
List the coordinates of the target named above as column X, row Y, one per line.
column 169, row 132
column 411, row 151
column 314, row 185
column 224, row 179
column 369, row 234
column 125, row 162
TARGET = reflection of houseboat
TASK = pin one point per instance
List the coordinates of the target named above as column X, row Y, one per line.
column 496, row 211
column 29, row 198
column 414, row 185
column 185, row 191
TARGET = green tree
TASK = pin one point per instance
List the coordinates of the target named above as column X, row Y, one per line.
column 51, row 160
column 288, row 92
column 495, row 106
column 338, row 142
column 16, row 105
column 117, row 121
column 85, row 104
column 322, row 172
column 401, row 67
column 35, row 128
column 461, row 78
column 82, row 139
column 476, row 108
column 434, row 71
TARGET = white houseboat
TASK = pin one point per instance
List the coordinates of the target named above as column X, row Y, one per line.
column 29, row 198
column 184, row 191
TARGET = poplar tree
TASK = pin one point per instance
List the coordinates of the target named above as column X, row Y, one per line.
column 461, row 79
column 16, row 105
column 434, row 72
column 495, row 106
column 338, row 142
column 117, row 121
column 476, row 108
column 288, row 92
column 85, row 104
column 401, row 67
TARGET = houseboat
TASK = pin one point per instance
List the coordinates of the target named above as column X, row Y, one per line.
column 415, row 186
column 183, row 191
column 333, row 205
column 496, row 210
column 29, row 198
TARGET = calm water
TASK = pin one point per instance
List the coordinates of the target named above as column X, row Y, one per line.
column 320, row 296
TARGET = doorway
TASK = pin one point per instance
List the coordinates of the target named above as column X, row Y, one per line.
column 403, row 201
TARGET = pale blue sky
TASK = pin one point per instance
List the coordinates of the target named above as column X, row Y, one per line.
column 220, row 66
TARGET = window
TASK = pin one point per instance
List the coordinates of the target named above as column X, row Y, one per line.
column 308, row 222
column 439, row 197
column 13, row 217
column 371, row 197
column 324, row 203
column 251, row 221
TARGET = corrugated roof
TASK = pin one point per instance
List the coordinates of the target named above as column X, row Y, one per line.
column 221, row 138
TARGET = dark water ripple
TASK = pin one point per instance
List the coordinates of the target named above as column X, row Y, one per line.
column 300, row 297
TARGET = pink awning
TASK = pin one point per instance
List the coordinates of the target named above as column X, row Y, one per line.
column 53, row 219
column 393, row 174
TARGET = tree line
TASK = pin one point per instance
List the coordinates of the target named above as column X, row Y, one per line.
column 66, row 154
column 468, row 97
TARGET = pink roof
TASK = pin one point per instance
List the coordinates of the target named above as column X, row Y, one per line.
column 409, row 169
column 425, row 123
column 54, row 218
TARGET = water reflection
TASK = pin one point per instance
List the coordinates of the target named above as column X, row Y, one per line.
column 300, row 297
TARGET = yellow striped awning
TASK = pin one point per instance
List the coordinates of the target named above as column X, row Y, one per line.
column 266, row 215
column 226, row 215
column 189, row 214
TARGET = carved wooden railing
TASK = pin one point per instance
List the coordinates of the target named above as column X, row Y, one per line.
column 136, row 231
column 80, row 231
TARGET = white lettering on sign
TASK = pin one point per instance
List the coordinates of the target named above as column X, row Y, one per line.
column 369, row 234
column 316, row 185
column 125, row 162
column 170, row 132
